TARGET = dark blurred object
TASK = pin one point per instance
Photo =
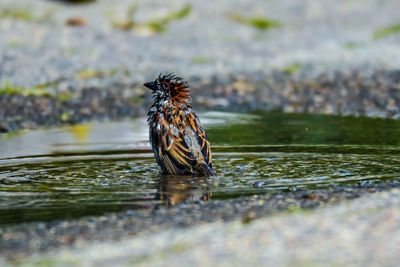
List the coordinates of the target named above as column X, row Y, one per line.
column 75, row 1
column 76, row 21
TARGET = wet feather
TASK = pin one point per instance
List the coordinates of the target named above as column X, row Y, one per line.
column 178, row 139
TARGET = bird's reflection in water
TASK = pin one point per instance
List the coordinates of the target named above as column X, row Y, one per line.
column 174, row 189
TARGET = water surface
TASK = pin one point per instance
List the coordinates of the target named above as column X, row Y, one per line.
column 95, row 168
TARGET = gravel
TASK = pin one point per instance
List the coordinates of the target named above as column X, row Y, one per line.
column 19, row 241
column 373, row 94
column 314, row 62
column 360, row 232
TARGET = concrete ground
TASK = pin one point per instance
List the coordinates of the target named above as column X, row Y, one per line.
column 362, row 232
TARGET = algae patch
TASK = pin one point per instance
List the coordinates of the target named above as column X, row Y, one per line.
column 25, row 14
column 258, row 22
column 292, row 68
column 294, row 209
column 353, row 45
column 94, row 73
column 79, row 1
column 202, row 60
column 161, row 24
column 8, row 88
column 37, row 90
column 153, row 26
column 176, row 248
column 384, row 32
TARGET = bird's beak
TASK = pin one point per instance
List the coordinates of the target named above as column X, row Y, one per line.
column 151, row 85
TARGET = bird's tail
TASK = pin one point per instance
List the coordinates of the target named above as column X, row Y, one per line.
column 206, row 170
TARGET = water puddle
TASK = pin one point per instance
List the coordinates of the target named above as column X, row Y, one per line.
column 95, row 168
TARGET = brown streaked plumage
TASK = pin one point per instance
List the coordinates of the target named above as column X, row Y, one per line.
column 178, row 139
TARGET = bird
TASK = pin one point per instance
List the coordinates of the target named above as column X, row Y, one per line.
column 178, row 139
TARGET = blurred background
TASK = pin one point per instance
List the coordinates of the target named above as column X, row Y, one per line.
column 89, row 58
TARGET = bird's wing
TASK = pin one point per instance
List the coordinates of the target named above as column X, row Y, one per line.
column 182, row 144
column 171, row 147
column 201, row 136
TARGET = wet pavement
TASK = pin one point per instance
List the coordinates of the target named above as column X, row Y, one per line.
column 364, row 231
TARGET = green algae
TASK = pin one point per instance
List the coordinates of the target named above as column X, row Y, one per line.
column 161, row 24
column 8, row 88
column 79, row 1
column 25, row 14
column 258, row 22
column 295, row 209
column 89, row 73
column 18, row 14
column 176, row 248
column 386, row 31
column 45, row 262
column 353, row 45
column 37, row 90
column 202, row 60
column 292, row 68
column 157, row 25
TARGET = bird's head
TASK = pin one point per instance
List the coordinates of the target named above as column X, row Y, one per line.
column 169, row 87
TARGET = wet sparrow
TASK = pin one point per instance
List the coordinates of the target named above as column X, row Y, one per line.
column 178, row 139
